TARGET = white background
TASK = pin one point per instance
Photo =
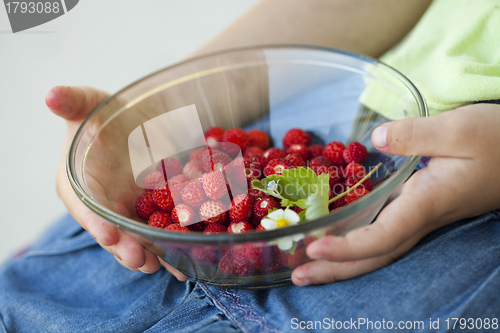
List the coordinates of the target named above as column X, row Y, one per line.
column 105, row 44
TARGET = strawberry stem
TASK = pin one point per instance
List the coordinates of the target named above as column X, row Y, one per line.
column 356, row 185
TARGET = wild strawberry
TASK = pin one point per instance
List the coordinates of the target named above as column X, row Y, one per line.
column 299, row 149
column 166, row 197
column 193, row 169
column 334, row 174
column 179, row 179
column 297, row 209
column 213, row 212
column 258, row 138
column 193, row 194
column 213, row 136
column 315, row 150
column 183, row 214
column 253, row 170
column 145, row 206
column 355, row 195
column 177, row 228
column 235, row 136
column 256, row 194
column 320, row 161
column 253, row 151
column 214, row 228
column 152, row 179
column 196, row 154
column 355, row 170
column 235, row 264
column 260, row 227
column 296, row 135
column 214, row 184
column 296, row 160
column 351, row 181
column 160, row 220
column 338, row 189
column 261, row 207
column 273, row 153
column 235, row 171
column 239, row 227
column 275, row 167
column 334, row 152
column 197, row 227
column 171, row 166
column 205, row 255
column 339, row 203
column 355, row 152
column 241, row 208
column 216, row 161
column 291, row 260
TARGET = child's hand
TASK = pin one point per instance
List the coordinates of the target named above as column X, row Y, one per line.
column 74, row 104
column 462, row 180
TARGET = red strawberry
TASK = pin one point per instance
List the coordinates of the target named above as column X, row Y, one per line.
column 296, row 135
column 193, row 169
column 355, row 152
column 315, row 150
column 235, row 264
column 214, row 184
column 179, row 179
column 256, row 194
column 260, row 228
column 183, row 214
column 296, row 160
column 205, row 255
column 334, row 152
column 261, row 207
column 337, row 204
column 335, row 176
column 235, row 171
column 258, row 138
column 213, row 212
column 241, row 208
column 275, row 167
column 145, row 206
column 253, row 151
column 177, row 228
column 235, row 136
column 351, row 181
column 273, row 153
column 197, row 227
column 171, row 166
column 320, row 161
column 338, row 188
column 355, row 195
column 213, row 136
column 239, row 227
column 297, row 209
column 216, row 161
column 291, row 260
column 253, row 170
column 152, row 179
column 354, row 170
column 160, row 220
column 196, row 154
column 165, row 197
column 193, row 194
column 299, row 149
column 214, row 228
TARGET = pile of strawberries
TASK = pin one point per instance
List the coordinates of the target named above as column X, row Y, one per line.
column 212, row 191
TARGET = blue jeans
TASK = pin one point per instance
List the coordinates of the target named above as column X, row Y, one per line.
column 67, row 283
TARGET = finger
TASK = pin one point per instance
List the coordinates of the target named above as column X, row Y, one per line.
column 129, row 251
column 121, row 263
column 323, row 271
column 397, row 222
column 152, row 263
column 74, row 103
column 181, row 277
column 433, row 136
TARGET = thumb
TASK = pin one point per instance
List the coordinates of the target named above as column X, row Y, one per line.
column 74, row 103
column 433, row 136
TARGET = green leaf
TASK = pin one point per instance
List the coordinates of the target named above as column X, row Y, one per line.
column 286, row 188
column 317, row 202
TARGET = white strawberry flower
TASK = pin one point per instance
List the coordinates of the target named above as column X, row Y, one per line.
column 282, row 218
column 273, row 185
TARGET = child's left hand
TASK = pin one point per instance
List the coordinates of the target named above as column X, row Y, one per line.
column 461, row 181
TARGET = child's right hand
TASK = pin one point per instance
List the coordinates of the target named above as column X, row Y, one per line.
column 74, row 104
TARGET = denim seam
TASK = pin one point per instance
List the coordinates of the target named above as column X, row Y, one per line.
column 249, row 315
column 3, row 329
column 223, row 309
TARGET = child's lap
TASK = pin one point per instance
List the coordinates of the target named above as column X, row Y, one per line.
column 66, row 282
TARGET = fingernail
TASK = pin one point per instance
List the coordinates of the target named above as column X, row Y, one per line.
column 379, row 137
column 305, row 282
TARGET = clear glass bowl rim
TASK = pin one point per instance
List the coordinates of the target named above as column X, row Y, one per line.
column 224, row 238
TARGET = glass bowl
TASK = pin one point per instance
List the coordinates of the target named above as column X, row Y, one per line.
column 332, row 94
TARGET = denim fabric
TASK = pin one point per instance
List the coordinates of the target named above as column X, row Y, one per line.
column 67, row 283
